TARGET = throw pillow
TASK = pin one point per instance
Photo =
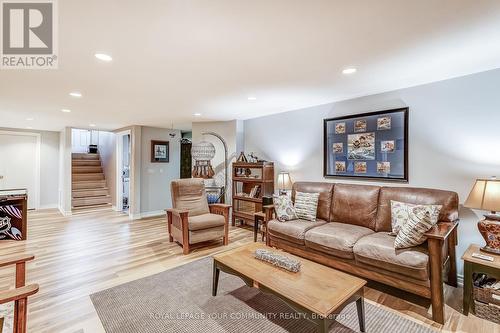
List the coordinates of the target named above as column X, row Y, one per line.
column 399, row 215
column 283, row 206
column 420, row 219
column 306, row 205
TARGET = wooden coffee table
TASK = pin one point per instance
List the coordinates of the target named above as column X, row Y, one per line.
column 317, row 291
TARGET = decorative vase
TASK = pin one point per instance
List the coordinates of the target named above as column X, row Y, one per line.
column 490, row 230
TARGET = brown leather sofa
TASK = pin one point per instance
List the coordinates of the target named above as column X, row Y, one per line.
column 352, row 234
column 192, row 220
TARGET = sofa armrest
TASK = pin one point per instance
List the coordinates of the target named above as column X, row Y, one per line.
column 441, row 230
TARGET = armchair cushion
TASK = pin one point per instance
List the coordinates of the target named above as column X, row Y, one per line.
column 189, row 194
column 205, row 221
column 378, row 250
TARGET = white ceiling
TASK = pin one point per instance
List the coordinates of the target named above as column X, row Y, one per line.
column 176, row 58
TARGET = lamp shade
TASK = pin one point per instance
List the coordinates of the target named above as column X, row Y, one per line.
column 485, row 195
column 284, row 181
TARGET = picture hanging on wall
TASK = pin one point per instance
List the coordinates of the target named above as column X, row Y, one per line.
column 368, row 146
column 159, row 151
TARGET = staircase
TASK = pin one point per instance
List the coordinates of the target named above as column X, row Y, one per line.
column 89, row 188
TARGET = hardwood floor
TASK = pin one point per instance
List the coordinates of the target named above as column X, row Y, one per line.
column 82, row 254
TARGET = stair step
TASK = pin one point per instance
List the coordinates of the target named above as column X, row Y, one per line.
column 88, row 184
column 87, row 176
column 86, row 169
column 83, row 193
column 88, row 201
column 86, row 162
column 82, row 209
column 84, row 156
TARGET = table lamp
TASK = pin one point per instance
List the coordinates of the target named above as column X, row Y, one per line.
column 485, row 195
column 284, row 182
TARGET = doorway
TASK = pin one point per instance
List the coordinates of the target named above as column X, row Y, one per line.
column 123, row 173
column 20, row 164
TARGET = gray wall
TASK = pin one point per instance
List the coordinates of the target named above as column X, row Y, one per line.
column 156, row 177
column 49, row 166
column 453, row 137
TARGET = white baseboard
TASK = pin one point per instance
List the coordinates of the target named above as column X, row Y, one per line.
column 144, row 215
column 52, row 206
column 63, row 212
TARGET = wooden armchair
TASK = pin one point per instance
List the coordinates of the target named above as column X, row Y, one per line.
column 20, row 294
column 192, row 220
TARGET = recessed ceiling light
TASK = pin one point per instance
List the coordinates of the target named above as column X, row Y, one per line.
column 92, row 125
column 30, row 119
column 103, row 57
column 252, row 98
column 66, row 110
column 197, row 114
column 349, row 70
column 75, row 94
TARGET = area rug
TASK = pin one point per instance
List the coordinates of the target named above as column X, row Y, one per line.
column 180, row 300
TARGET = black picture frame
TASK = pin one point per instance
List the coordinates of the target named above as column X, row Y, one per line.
column 159, row 151
column 383, row 155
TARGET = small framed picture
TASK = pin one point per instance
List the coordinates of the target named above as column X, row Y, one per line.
column 384, row 167
column 360, row 125
column 340, row 166
column 387, row 146
column 159, row 151
column 339, row 128
column 384, row 123
column 338, row 148
column 359, row 167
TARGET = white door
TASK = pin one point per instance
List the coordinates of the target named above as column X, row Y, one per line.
column 18, row 164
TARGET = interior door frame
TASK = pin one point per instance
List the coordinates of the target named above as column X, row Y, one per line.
column 119, row 160
column 37, row 160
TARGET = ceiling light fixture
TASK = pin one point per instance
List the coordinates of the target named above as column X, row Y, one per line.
column 197, row 114
column 349, row 70
column 103, row 57
column 252, row 98
column 92, row 125
column 66, row 110
column 75, row 94
column 30, row 119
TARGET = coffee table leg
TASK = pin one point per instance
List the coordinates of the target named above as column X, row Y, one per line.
column 215, row 281
column 360, row 304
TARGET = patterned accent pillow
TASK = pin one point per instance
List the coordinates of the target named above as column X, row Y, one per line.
column 306, row 205
column 283, row 206
column 399, row 215
column 420, row 219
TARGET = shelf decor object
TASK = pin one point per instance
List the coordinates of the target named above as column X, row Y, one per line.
column 250, row 183
column 485, row 195
column 367, row 146
column 203, row 152
column 284, row 182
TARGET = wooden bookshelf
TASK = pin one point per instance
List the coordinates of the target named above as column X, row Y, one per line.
column 251, row 181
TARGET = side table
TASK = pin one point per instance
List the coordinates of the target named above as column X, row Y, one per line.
column 259, row 216
column 476, row 265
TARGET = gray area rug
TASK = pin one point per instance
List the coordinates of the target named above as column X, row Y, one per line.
column 180, row 300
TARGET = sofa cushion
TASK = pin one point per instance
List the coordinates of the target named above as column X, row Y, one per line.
column 325, row 191
column 335, row 238
column 417, row 196
column 378, row 250
column 284, row 209
column 205, row 221
column 292, row 231
column 355, row 204
column 306, row 205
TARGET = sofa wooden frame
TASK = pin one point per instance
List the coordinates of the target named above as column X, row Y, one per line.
column 441, row 242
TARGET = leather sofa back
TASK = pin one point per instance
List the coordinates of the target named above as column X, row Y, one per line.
column 419, row 196
column 355, row 204
column 189, row 194
column 325, row 191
